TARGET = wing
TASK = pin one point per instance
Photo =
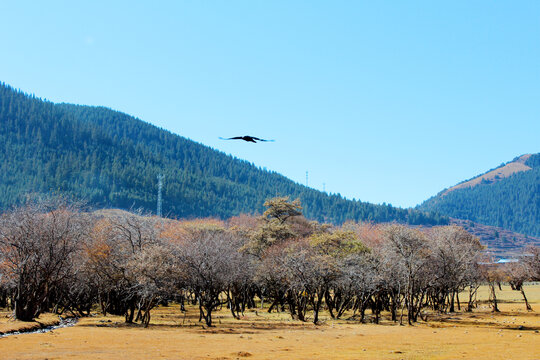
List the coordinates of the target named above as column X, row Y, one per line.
column 258, row 139
column 233, row 138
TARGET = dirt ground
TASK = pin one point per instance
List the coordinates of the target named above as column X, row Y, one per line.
column 511, row 334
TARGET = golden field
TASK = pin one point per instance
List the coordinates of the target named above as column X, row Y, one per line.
column 511, row 334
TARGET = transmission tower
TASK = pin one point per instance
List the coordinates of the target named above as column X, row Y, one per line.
column 159, row 198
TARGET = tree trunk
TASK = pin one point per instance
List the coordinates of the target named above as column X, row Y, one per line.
column 472, row 295
column 330, row 304
column 317, row 306
column 529, row 308
column 493, row 297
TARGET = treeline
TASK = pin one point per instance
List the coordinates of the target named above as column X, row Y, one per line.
column 111, row 160
column 53, row 257
column 511, row 203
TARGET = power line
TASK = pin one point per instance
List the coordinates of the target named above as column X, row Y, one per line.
column 159, row 198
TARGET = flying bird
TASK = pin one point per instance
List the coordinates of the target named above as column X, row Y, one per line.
column 247, row 138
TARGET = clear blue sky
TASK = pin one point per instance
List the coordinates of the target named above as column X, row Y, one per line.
column 384, row 101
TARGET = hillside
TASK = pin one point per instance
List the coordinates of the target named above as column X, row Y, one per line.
column 111, row 159
column 500, row 243
column 507, row 197
column 502, row 172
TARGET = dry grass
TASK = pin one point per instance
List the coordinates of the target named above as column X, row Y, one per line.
column 8, row 324
column 499, row 173
column 513, row 333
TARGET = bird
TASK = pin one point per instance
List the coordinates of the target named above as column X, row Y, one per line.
column 247, row 138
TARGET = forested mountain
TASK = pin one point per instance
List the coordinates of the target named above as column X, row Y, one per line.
column 507, row 197
column 111, row 159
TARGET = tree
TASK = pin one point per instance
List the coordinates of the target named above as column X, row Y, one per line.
column 407, row 248
column 153, row 273
column 493, row 276
column 118, row 238
column 281, row 208
column 277, row 225
column 453, row 262
column 338, row 255
column 111, row 159
column 532, row 262
column 517, row 273
column 210, row 261
column 300, row 277
column 37, row 244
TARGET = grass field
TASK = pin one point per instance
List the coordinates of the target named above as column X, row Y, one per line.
column 511, row 334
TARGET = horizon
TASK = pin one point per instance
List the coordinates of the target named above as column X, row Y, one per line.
column 406, row 99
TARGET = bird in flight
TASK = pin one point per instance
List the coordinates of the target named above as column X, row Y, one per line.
column 247, row 138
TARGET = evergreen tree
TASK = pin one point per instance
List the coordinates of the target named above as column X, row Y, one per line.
column 111, row 159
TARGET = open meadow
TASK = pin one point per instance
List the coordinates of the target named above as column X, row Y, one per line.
column 229, row 180
column 512, row 333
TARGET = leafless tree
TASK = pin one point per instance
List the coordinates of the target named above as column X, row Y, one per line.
column 270, row 277
column 493, row 276
column 37, row 244
column 78, row 291
column 358, row 283
column 209, row 259
column 453, row 261
column 116, row 240
column 346, row 270
column 407, row 249
column 153, row 274
column 531, row 259
column 55, row 257
column 517, row 273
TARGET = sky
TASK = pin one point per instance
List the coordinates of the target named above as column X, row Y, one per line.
column 379, row 101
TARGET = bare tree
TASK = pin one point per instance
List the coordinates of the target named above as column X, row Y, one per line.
column 209, row 259
column 517, row 274
column 407, row 248
column 56, row 257
column 357, row 285
column 340, row 257
column 78, row 291
column 531, row 259
column 153, row 273
column 453, row 259
column 297, row 273
column 118, row 238
column 493, row 276
column 37, row 243
column 271, row 279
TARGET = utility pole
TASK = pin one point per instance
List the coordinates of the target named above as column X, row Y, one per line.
column 159, row 198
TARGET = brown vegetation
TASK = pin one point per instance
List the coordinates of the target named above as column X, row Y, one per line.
column 279, row 269
column 173, row 334
column 495, row 175
column 498, row 241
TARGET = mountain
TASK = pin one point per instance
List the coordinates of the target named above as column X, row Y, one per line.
column 112, row 160
column 507, row 197
column 499, row 242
